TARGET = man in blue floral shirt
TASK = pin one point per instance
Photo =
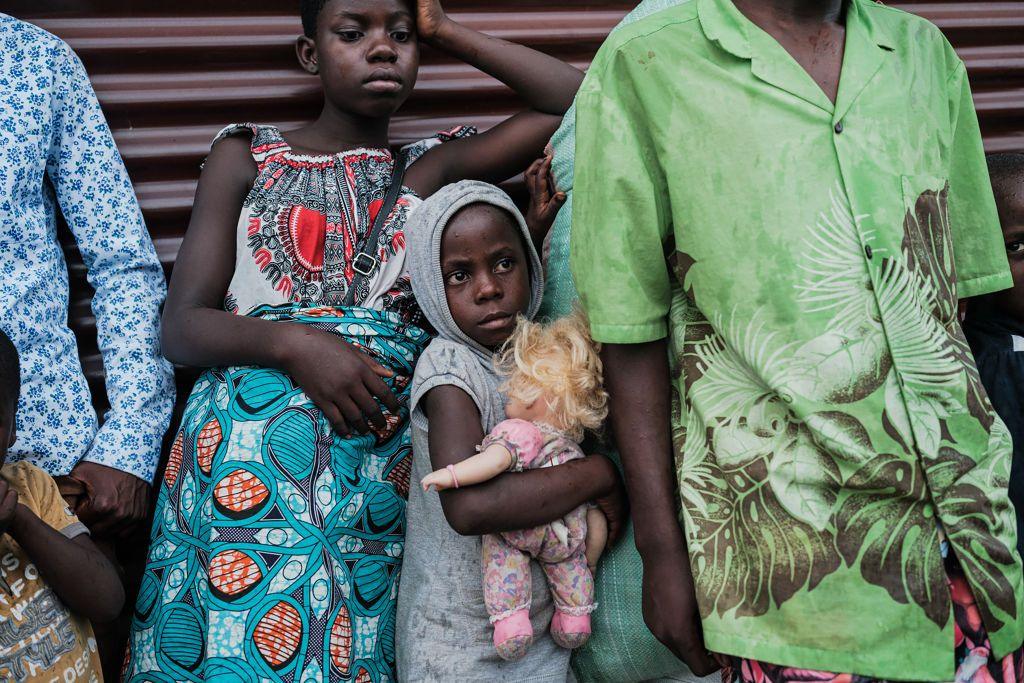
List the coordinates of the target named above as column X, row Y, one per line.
column 56, row 150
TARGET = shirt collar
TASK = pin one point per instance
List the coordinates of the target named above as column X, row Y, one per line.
column 867, row 43
column 722, row 23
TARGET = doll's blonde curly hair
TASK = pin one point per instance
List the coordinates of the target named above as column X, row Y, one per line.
column 559, row 359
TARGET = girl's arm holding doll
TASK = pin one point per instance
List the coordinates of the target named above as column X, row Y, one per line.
column 497, row 459
column 552, row 377
column 513, row 500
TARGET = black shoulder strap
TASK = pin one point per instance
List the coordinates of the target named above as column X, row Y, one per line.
column 366, row 261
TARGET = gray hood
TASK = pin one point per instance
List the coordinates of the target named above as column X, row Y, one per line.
column 423, row 234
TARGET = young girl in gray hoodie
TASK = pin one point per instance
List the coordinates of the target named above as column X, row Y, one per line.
column 474, row 270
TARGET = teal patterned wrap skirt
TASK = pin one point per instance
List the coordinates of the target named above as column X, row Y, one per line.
column 277, row 544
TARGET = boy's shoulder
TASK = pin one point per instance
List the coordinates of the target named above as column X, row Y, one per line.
column 38, row 491
column 26, row 477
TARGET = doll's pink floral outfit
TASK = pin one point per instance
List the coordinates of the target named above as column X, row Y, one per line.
column 559, row 547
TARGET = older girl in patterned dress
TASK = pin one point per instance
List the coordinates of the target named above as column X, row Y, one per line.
column 281, row 518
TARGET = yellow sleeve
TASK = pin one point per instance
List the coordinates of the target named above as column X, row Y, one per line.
column 41, row 495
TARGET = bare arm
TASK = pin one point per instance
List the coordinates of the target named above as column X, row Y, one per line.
column 510, row 501
column 78, row 573
column 197, row 330
column 632, row 370
column 642, row 370
column 475, row 469
column 548, row 86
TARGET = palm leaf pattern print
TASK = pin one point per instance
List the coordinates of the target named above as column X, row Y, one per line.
column 743, row 421
column 762, row 426
column 834, row 273
column 850, row 361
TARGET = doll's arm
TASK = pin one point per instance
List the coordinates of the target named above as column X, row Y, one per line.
column 477, row 469
column 597, row 536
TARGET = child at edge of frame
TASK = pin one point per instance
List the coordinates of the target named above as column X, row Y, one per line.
column 995, row 323
column 53, row 579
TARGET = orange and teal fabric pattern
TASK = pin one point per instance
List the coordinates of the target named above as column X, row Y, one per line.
column 277, row 544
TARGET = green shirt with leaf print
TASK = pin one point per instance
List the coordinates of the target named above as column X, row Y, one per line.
column 806, row 259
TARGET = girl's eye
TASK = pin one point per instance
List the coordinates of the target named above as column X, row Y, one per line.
column 456, row 278
column 1015, row 247
column 505, row 265
column 350, row 36
column 401, row 36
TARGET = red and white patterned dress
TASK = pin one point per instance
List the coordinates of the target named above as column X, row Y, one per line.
column 306, row 216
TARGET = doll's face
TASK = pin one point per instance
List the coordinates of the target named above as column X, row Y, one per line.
column 535, row 411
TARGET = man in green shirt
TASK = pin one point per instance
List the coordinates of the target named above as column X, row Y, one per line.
column 794, row 193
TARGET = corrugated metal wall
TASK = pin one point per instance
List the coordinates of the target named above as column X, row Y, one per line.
column 169, row 75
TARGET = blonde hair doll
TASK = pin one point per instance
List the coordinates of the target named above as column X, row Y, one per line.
column 554, row 389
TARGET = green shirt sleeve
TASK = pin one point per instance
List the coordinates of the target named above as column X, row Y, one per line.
column 621, row 219
column 978, row 249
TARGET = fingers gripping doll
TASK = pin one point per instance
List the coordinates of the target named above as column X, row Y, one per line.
column 554, row 390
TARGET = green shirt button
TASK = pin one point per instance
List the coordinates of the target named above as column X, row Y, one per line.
column 839, row 127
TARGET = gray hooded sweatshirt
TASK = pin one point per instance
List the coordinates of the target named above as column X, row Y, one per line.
column 443, row 630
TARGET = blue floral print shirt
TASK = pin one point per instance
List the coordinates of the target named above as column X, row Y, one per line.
column 56, row 150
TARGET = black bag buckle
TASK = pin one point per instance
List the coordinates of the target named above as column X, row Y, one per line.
column 364, row 264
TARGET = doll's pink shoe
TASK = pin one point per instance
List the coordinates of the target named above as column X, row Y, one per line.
column 513, row 636
column 570, row 632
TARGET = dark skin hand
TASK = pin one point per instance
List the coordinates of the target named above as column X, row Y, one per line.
column 669, row 602
column 812, row 32
column 545, row 200
column 75, row 569
column 113, row 502
column 520, row 500
column 366, row 55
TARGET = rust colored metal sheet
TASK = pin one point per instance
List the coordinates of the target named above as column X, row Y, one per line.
column 170, row 75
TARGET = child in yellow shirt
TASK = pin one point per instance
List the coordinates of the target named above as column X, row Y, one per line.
column 53, row 580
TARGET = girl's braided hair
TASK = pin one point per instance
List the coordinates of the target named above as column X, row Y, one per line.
column 561, row 361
